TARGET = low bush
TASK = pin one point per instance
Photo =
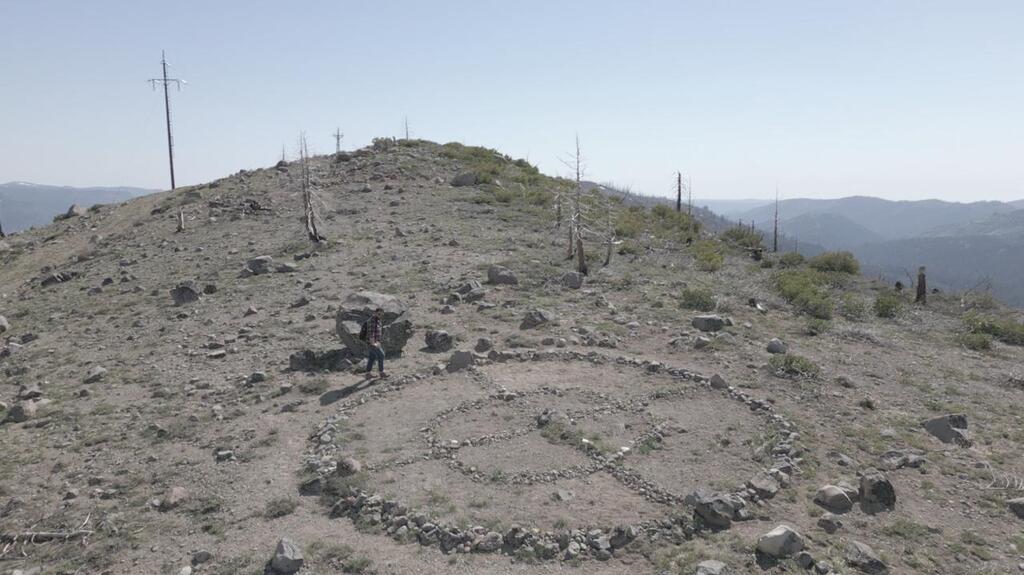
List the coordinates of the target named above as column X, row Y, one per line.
column 807, row 290
column 700, row 299
column 279, row 507
column 792, row 365
column 853, row 307
column 840, row 262
column 1005, row 330
column 708, row 255
column 743, row 237
column 888, row 305
column 791, row 260
column 974, row 341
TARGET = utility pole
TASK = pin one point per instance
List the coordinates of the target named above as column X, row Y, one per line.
column 406, row 123
column 775, row 237
column 167, row 108
column 337, row 140
column 679, row 192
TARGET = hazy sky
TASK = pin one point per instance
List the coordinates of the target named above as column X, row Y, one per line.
column 900, row 99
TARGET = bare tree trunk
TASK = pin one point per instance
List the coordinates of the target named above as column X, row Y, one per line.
column 558, row 210
column 307, row 194
column 922, row 287
column 572, row 239
column 181, row 220
column 581, row 260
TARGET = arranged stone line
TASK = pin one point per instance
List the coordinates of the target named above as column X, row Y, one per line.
column 710, row 510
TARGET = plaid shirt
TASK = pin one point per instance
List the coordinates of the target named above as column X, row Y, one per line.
column 374, row 329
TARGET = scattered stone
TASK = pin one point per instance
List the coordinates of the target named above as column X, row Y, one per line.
column 776, row 346
column 460, row 360
column 718, row 382
column 498, row 275
column 535, row 318
column 96, row 373
column 715, row 510
column 830, row 523
column 489, row 542
column 185, row 293
column 895, row 459
column 483, row 345
column 949, row 429
column 258, row 265
column 764, row 485
column 780, row 542
column 30, row 391
column 713, row 567
column 257, row 377
column 465, row 179
column 201, row 556
column 348, row 466
column 572, row 280
column 358, row 307
column 863, row 558
column 288, row 557
column 876, row 492
column 331, row 360
column 804, row 560
column 174, row 497
column 438, row 340
column 5, row 325
column 1016, row 506
column 25, row 410
column 708, row 323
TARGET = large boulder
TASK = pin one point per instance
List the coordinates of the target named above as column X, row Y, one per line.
column 460, row 360
column 876, row 492
column 287, row 558
column 499, row 275
column 572, row 280
column 715, row 510
column 438, row 340
column 465, row 179
column 258, row 265
column 949, row 429
column 708, row 322
column 834, row 499
column 780, row 542
column 358, row 308
column 863, row 558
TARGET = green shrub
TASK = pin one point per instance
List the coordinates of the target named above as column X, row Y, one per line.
column 279, row 507
column 700, row 299
column 841, row 262
column 743, row 237
column 1005, row 330
column 792, row 365
column 853, row 307
column 629, row 247
column 807, row 290
column 791, row 260
column 888, row 305
column 708, row 255
column 816, row 326
column 630, row 222
column 974, row 341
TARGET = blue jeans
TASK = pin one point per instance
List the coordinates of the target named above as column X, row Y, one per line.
column 374, row 353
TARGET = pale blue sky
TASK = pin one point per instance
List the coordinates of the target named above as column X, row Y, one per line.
column 899, row 99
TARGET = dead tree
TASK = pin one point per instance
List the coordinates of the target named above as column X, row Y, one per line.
column 181, row 221
column 679, row 192
column 775, row 235
column 922, row 287
column 308, row 196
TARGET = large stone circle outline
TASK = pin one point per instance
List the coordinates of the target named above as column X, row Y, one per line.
column 450, row 539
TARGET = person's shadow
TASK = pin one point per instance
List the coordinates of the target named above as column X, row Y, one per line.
column 339, row 394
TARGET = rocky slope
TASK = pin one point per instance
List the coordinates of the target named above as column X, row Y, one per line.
column 184, row 403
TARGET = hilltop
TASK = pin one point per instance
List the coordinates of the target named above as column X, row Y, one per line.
column 180, row 402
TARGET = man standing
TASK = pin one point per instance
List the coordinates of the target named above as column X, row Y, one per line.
column 374, row 349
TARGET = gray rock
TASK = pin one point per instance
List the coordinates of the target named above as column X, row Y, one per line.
column 259, row 265
column 489, row 542
column 764, row 485
column 185, row 293
column 572, row 280
column 465, row 179
column 830, row 523
column 535, row 318
column 5, row 325
column 780, row 542
column 96, row 373
column 622, row 536
column 438, row 340
column 701, row 342
column 25, row 410
column 348, row 466
column 30, row 391
column 499, row 275
column 460, row 360
column 483, row 345
column 876, row 492
column 712, row 567
column 949, row 429
column 1016, row 506
column 833, row 498
column 804, row 560
column 708, row 323
column 174, row 497
column 863, row 558
column 776, row 346
column 358, row 307
column 287, row 558
column 715, row 510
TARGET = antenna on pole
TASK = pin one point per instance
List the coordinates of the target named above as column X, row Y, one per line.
column 337, row 140
column 164, row 81
column 406, row 124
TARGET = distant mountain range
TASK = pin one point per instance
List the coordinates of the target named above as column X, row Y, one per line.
column 962, row 244
column 24, row 205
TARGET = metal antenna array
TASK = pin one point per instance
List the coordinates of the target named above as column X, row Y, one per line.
column 337, row 140
column 167, row 108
